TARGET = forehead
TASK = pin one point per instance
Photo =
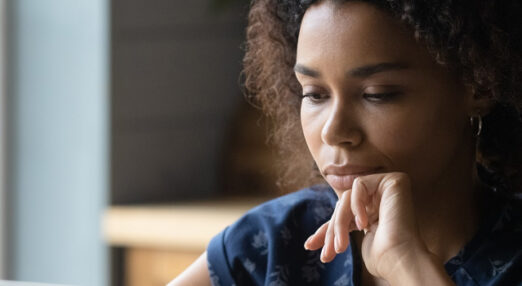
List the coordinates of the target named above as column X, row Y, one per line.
column 355, row 33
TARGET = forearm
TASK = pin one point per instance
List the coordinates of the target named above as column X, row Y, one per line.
column 195, row 274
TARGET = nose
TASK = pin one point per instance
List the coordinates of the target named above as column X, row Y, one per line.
column 341, row 126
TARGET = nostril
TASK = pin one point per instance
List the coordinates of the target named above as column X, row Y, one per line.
column 341, row 134
column 341, row 125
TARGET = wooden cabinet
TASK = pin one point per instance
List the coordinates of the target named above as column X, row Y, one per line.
column 160, row 241
column 155, row 267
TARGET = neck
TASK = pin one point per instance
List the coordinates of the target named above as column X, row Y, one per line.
column 448, row 214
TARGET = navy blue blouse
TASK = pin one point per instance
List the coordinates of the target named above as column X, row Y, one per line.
column 265, row 246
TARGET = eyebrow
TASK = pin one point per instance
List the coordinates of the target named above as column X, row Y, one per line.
column 369, row 70
column 364, row 71
column 306, row 71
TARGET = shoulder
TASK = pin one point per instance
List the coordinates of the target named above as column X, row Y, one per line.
column 501, row 254
column 315, row 203
column 494, row 256
column 270, row 237
column 298, row 212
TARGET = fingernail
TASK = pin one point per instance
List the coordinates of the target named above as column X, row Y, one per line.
column 358, row 223
column 324, row 252
column 337, row 244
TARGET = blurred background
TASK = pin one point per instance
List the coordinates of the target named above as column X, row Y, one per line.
column 126, row 143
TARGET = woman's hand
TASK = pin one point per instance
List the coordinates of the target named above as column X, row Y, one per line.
column 382, row 206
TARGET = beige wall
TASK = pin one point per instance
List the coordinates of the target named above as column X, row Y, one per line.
column 2, row 138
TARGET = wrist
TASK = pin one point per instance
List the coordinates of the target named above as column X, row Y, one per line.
column 419, row 266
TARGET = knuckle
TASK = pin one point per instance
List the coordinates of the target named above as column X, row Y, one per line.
column 330, row 227
column 359, row 192
column 358, row 183
column 398, row 180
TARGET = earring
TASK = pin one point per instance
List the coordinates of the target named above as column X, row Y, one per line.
column 476, row 121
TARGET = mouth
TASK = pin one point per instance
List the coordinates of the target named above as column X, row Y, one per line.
column 343, row 180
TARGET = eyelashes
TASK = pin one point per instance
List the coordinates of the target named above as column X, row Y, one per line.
column 381, row 97
column 314, row 97
column 384, row 97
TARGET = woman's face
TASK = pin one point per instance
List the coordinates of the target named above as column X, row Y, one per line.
column 376, row 101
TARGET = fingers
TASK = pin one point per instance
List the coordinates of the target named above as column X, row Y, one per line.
column 367, row 192
column 342, row 223
column 326, row 235
column 333, row 236
column 328, row 252
column 322, row 237
column 359, row 201
column 316, row 240
column 385, row 181
column 359, row 206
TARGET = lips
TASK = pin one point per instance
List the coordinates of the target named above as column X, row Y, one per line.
column 342, row 177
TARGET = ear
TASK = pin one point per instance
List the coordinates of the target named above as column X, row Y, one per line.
column 477, row 104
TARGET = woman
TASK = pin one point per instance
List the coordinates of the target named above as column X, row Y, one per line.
column 410, row 111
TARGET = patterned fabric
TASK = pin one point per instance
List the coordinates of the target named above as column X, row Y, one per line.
column 265, row 246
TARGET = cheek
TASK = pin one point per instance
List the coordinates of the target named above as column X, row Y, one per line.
column 421, row 142
column 311, row 126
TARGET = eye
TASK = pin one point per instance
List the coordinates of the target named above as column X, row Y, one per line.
column 380, row 97
column 314, row 97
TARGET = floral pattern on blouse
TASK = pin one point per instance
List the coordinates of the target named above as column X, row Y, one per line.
column 265, row 246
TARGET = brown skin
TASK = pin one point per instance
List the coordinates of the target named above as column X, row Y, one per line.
column 195, row 275
column 422, row 208
column 418, row 208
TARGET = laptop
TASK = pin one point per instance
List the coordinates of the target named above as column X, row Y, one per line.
column 19, row 283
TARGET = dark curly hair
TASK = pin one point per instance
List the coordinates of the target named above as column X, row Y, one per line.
column 479, row 39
